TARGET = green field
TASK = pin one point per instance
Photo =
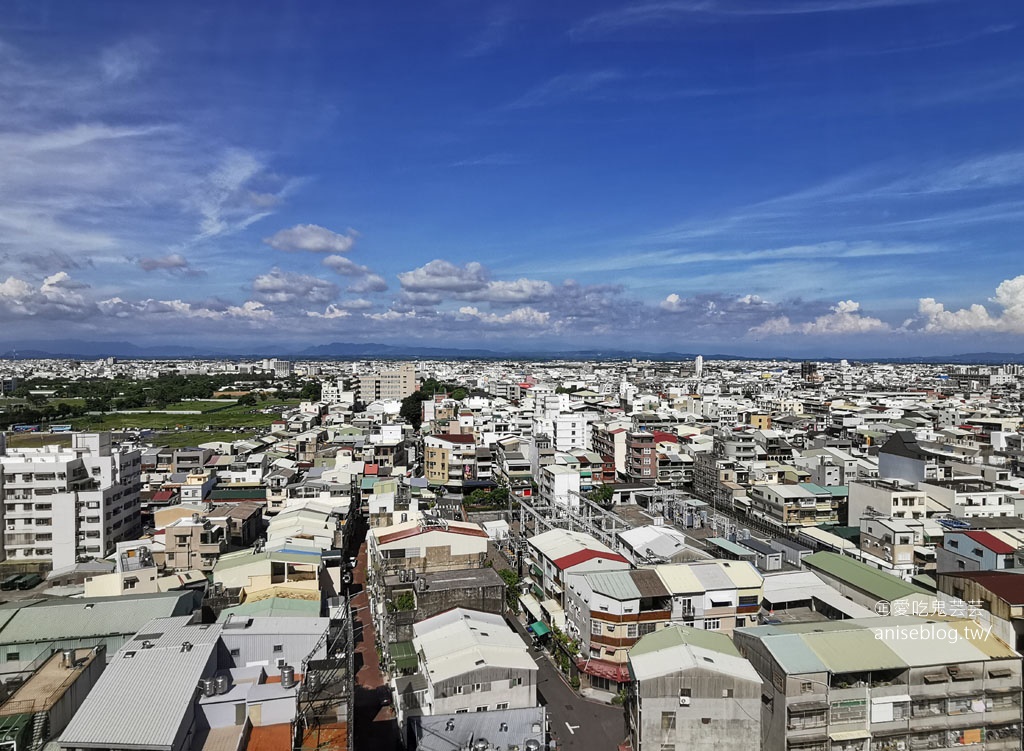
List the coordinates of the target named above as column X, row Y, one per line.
column 216, row 423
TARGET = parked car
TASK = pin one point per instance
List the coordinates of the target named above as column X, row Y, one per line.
column 28, row 581
column 10, row 582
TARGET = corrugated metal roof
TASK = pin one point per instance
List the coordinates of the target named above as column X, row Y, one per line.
column 51, row 620
column 648, row 583
column 711, row 576
column 870, row 580
column 618, row 585
column 144, row 695
column 679, row 579
column 854, row 651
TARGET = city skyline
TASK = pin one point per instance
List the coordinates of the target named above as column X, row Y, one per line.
column 823, row 177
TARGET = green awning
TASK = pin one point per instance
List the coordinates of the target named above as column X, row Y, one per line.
column 539, row 628
column 403, row 654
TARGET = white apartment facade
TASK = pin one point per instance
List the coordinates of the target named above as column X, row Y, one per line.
column 69, row 504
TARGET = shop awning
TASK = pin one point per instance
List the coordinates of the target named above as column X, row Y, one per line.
column 539, row 628
column 613, row 671
column 849, row 735
column 531, row 606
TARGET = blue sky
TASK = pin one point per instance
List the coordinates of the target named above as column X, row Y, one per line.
column 833, row 177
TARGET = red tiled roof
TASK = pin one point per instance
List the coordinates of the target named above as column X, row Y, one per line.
column 990, row 541
column 661, row 435
column 582, row 556
column 163, row 495
column 413, row 531
column 613, row 671
column 371, row 469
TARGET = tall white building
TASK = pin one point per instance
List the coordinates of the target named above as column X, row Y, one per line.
column 698, row 366
column 67, row 504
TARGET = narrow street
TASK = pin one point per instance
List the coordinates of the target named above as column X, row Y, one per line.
column 577, row 723
column 375, row 724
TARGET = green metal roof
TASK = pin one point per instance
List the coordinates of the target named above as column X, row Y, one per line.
column 854, row 651
column 403, row 653
column 275, row 606
column 618, row 585
column 870, row 580
column 731, row 547
column 681, row 635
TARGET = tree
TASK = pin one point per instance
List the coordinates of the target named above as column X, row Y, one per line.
column 511, row 579
column 459, row 394
column 310, row 391
column 247, row 400
column 412, row 409
column 602, row 495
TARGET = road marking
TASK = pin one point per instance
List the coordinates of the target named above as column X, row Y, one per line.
column 572, row 728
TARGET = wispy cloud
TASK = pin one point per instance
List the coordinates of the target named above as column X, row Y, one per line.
column 674, row 11
column 491, row 36
column 489, row 160
column 564, row 87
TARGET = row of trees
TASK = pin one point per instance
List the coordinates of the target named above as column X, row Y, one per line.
column 412, row 405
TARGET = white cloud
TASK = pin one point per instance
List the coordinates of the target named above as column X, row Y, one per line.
column 356, row 304
column 977, row 318
column 520, row 290
column 845, row 318
column 224, row 199
column 312, row 238
column 345, row 266
column 332, row 311
column 284, row 287
column 126, row 61
column 173, row 262
column 525, row 316
column 369, row 283
column 443, row 276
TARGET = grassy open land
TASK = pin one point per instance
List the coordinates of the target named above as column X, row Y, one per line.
column 218, row 422
column 219, row 417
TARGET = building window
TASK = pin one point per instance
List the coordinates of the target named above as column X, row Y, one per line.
column 647, row 628
column 235, row 652
column 712, row 624
column 459, row 689
column 631, row 631
column 461, row 711
column 727, row 693
column 595, row 627
column 482, row 709
column 13, row 657
column 279, row 648
column 668, row 720
column 503, row 705
column 806, row 687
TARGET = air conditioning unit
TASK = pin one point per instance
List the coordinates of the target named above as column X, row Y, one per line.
column 684, row 701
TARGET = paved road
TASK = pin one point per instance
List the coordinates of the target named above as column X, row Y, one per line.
column 595, row 726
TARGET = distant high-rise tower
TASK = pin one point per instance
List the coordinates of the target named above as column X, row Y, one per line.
column 809, row 370
column 698, row 366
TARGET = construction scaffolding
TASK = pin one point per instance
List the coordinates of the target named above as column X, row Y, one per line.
column 325, row 701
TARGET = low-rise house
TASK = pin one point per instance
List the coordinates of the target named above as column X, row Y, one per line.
column 550, row 557
column 472, row 662
column 691, row 689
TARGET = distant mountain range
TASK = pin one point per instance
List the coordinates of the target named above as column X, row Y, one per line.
column 76, row 349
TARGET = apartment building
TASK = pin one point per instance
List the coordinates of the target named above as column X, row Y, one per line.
column 794, row 506
column 471, row 662
column 388, row 385
column 608, row 611
column 894, row 682
column 890, row 497
column 63, row 505
column 449, row 460
column 969, row 498
column 559, row 485
column 641, row 457
column 426, row 546
column 609, row 439
column 550, row 557
column 691, row 689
